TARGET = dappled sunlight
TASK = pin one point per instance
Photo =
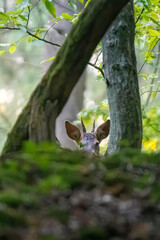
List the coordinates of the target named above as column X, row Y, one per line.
column 6, row 95
column 2, row 109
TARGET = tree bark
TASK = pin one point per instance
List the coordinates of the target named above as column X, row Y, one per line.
column 75, row 101
column 37, row 120
column 119, row 64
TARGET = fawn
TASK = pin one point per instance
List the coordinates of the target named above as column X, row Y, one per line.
column 88, row 142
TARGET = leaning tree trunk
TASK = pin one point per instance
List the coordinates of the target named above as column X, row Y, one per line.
column 74, row 103
column 119, row 63
column 37, row 120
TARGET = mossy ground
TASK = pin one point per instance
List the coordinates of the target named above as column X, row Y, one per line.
column 47, row 192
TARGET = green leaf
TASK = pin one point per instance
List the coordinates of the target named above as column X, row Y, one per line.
column 152, row 42
column 12, row 49
column 47, row 60
column 14, row 13
column 2, row 52
column 154, row 21
column 18, row 1
column 154, row 33
column 23, row 18
column 99, row 77
column 87, row 3
column 149, row 56
column 50, row 7
column 28, row 38
column 153, row 75
column 4, row 16
column 67, row 17
column 72, row 5
column 144, row 76
column 154, row 95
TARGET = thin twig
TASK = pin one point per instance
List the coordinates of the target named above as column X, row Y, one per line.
column 139, row 16
column 98, row 68
column 97, row 57
column 157, row 130
column 149, row 51
column 153, row 79
column 31, row 34
column 157, row 90
column 48, row 30
column 35, row 5
column 149, row 92
column 29, row 12
column 41, row 39
column 10, row 28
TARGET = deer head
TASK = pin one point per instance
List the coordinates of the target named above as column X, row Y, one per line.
column 88, row 142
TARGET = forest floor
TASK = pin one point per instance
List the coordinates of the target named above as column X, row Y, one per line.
column 48, row 193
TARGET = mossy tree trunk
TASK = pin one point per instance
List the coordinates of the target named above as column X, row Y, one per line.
column 119, row 63
column 37, row 120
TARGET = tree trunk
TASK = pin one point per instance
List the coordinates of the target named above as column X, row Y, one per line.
column 119, row 64
column 75, row 101
column 37, row 120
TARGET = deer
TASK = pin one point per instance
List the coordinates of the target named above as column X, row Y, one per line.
column 88, row 142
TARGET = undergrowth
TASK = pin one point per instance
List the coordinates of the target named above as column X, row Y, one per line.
column 34, row 182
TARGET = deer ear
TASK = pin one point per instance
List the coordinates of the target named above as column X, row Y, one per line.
column 103, row 131
column 73, row 132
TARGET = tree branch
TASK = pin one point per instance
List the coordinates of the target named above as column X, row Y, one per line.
column 149, row 92
column 31, row 34
column 139, row 16
column 98, row 68
column 98, row 57
column 10, row 28
column 42, row 39
column 150, row 50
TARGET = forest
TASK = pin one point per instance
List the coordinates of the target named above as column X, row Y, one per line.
column 79, row 119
